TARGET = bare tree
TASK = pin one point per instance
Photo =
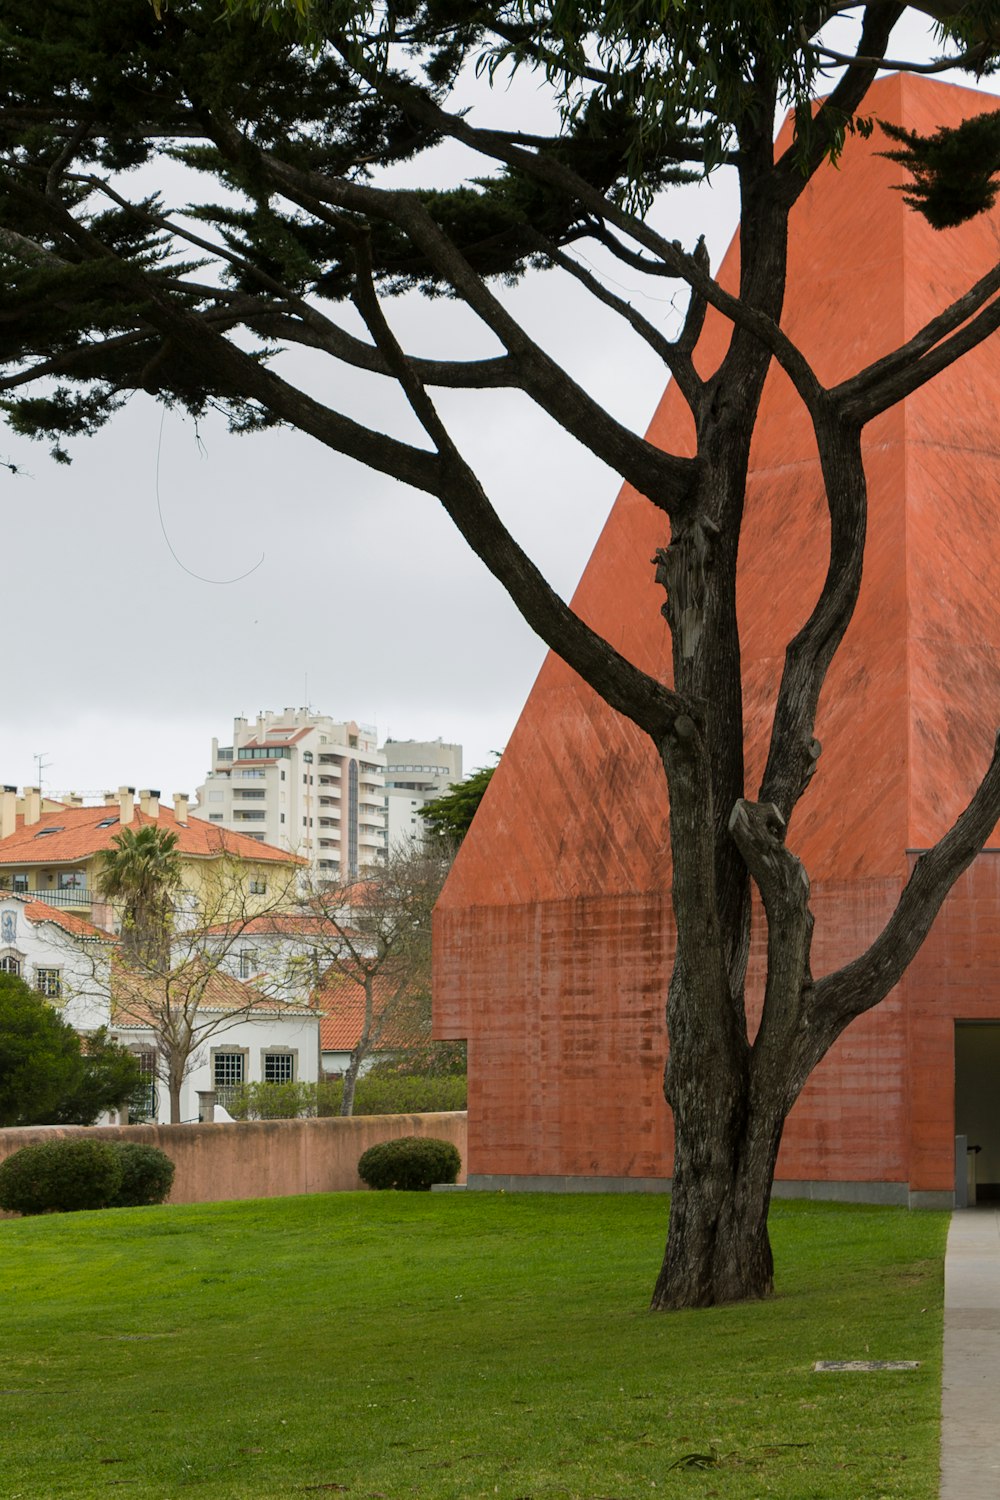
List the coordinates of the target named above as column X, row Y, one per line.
column 371, row 955
column 184, row 992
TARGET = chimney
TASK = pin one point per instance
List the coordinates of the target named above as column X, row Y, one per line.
column 73, row 799
column 32, row 805
column 150, row 804
column 126, row 805
column 181, row 806
column 8, row 811
column 110, row 799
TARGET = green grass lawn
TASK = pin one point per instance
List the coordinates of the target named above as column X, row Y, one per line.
column 448, row 1345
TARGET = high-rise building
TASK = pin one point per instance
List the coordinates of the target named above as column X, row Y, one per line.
column 304, row 782
column 416, row 771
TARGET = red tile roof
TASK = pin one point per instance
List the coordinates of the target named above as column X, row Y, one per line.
column 135, row 998
column 342, row 1004
column 40, row 911
column 77, row 835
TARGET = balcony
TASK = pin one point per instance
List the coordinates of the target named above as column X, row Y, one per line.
column 74, row 897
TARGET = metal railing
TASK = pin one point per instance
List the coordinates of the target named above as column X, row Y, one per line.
column 76, row 896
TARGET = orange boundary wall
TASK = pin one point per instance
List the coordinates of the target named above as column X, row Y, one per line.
column 259, row 1158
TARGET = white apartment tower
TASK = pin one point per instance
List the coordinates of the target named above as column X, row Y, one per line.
column 416, row 772
column 303, row 782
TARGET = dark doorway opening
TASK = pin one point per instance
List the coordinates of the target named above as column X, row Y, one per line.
column 977, row 1099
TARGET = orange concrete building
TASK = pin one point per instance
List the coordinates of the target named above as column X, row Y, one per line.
column 554, row 933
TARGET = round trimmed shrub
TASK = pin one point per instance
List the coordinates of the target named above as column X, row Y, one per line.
column 147, row 1175
column 410, row 1164
column 60, row 1177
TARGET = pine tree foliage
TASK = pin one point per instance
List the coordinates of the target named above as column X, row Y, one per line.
column 956, row 172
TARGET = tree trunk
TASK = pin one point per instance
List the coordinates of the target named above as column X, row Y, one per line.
column 350, row 1082
column 174, row 1089
column 718, row 1249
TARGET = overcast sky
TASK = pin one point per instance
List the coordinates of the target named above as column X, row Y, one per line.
column 169, row 580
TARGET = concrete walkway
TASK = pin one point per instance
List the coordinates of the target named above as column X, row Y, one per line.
column 970, row 1401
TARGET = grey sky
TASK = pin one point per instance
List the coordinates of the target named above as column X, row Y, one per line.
column 360, row 598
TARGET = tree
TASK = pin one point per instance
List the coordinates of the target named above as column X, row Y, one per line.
column 46, row 1078
column 178, row 984
column 105, row 293
column 450, row 816
column 142, row 874
column 371, row 955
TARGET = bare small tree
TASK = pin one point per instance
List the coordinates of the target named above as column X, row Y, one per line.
column 371, row 955
column 184, row 992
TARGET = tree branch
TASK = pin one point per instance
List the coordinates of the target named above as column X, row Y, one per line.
column 931, row 350
column 793, row 752
column 634, row 693
column 842, row 996
column 676, row 356
column 795, row 168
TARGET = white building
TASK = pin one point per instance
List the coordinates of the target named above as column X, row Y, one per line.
column 304, row 782
column 416, row 772
column 57, row 953
column 246, row 1036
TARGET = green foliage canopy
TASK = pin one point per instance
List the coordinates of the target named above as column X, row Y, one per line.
column 46, row 1077
column 450, row 816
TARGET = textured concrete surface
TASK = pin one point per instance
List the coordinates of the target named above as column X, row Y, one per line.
column 553, row 937
column 218, row 1163
column 970, row 1432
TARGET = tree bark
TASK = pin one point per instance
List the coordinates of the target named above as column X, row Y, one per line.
column 350, row 1083
column 718, row 1249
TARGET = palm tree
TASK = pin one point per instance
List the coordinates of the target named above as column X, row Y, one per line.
column 142, row 874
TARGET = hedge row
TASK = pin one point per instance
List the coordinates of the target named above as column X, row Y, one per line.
column 373, row 1096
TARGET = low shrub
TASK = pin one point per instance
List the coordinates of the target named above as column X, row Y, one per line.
column 410, row 1164
column 147, row 1175
column 380, row 1094
column 60, row 1177
column 272, row 1101
column 375, row 1094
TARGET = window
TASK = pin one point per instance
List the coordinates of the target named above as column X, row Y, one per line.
column 215, row 817
column 72, row 880
column 143, row 1103
column 107, row 823
column 248, row 962
column 228, row 1069
column 258, row 887
column 48, row 982
column 282, row 817
column 10, row 962
column 216, row 796
column 19, row 881
column 279, row 1067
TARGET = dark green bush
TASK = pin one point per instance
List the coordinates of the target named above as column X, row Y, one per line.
column 411, row 1164
column 147, row 1175
column 60, row 1177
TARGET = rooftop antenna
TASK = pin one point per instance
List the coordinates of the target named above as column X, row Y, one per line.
column 42, row 765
